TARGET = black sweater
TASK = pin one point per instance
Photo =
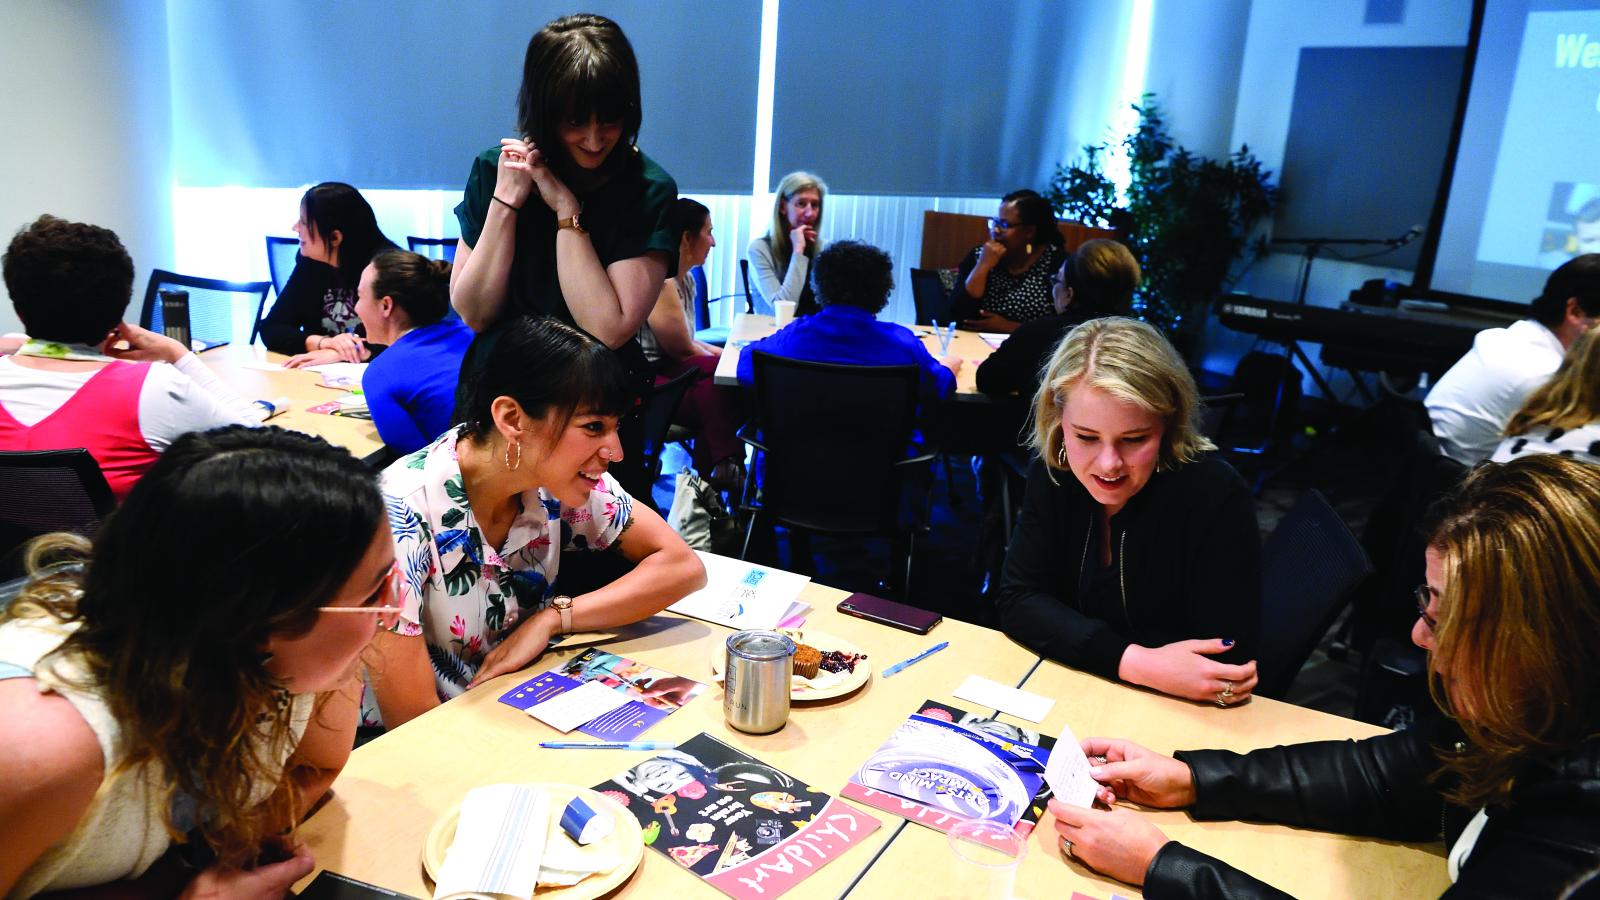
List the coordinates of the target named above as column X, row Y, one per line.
column 1015, row 366
column 1187, row 565
column 1547, row 838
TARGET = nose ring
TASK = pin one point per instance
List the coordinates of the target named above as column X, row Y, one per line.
column 605, row 453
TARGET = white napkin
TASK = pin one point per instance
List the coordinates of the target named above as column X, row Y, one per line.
column 499, row 844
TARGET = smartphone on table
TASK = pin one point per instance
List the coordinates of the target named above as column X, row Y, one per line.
column 888, row 612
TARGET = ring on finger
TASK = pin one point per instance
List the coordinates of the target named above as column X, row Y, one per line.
column 1221, row 700
column 1066, row 847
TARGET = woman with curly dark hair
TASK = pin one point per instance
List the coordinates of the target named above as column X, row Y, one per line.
column 181, row 694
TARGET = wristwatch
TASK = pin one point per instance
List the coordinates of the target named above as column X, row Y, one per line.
column 563, row 606
column 571, row 222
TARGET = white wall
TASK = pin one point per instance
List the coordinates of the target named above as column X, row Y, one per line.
column 87, row 113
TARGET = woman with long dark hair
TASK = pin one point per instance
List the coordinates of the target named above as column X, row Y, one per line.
column 339, row 235
column 669, row 343
column 181, row 694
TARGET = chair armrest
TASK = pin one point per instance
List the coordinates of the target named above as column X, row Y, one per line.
column 751, row 434
column 920, row 459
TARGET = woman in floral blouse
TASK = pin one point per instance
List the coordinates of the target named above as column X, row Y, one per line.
column 481, row 516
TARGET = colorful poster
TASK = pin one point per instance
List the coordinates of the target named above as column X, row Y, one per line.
column 945, row 765
column 656, row 692
column 747, row 829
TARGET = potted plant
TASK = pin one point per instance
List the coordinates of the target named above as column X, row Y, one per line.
column 1187, row 218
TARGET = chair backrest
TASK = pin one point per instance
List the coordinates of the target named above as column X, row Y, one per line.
column 216, row 308
column 659, row 409
column 1214, row 412
column 833, row 434
column 931, row 299
column 744, row 276
column 46, row 491
column 1309, row 565
column 433, row 248
column 702, row 298
column 281, row 257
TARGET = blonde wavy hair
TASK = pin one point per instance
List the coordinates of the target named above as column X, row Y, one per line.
column 1571, row 398
column 778, row 238
column 1516, row 656
column 1129, row 360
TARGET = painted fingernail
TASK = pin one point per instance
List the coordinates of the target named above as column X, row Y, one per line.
column 1227, row 642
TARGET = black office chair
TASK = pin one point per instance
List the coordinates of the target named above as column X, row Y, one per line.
column 704, row 331
column 659, row 409
column 212, row 304
column 282, row 255
column 744, row 276
column 433, row 248
column 1309, row 565
column 931, row 299
column 47, row 491
column 1215, row 411
column 834, row 442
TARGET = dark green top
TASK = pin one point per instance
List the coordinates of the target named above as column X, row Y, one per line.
column 625, row 217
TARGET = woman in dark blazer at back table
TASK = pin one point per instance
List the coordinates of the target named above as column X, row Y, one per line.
column 1137, row 555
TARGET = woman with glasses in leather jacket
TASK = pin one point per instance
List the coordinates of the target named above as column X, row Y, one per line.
column 1511, row 781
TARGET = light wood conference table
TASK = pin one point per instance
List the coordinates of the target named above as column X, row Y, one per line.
column 237, row 365
column 394, row 788
column 973, row 350
column 1307, row 864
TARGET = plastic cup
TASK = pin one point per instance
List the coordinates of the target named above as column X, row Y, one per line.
column 783, row 311
column 983, row 861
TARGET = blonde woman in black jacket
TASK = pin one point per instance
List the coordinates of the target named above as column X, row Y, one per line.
column 1511, row 621
column 1137, row 555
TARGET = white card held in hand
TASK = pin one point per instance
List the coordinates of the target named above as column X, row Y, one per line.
column 568, row 710
column 1067, row 771
column 1022, row 704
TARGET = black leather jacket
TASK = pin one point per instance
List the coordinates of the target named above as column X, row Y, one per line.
column 1546, row 839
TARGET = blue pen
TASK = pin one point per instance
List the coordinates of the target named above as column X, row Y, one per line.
column 915, row 659
column 608, row 745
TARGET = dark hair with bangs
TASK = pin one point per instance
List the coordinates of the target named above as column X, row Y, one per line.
column 186, row 581
column 548, row 366
column 576, row 67
column 335, row 206
column 686, row 217
column 68, row 281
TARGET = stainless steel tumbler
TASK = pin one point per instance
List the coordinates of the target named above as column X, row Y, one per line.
column 756, row 688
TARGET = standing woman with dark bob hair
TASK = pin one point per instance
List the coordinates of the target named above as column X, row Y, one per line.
column 1510, row 617
column 339, row 235
column 568, row 219
column 177, row 698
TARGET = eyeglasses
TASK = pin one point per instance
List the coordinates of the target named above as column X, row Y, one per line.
column 388, row 589
column 1002, row 224
column 1424, row 600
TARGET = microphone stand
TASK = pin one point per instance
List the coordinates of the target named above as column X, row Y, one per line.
column 1314, row 246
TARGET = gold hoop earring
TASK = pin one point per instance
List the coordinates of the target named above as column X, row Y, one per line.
column 512, row 466
column 1061, row 456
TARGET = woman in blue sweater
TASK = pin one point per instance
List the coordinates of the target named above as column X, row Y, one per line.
column 403, row 300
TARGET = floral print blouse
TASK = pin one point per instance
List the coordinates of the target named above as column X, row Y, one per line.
column 460, row 595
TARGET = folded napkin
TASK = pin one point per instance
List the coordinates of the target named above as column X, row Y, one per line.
column 499, row 844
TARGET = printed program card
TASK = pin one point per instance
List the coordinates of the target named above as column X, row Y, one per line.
column 568, row 710
column 1022, row 704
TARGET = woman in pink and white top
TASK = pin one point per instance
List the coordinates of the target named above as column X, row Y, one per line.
column 86, row 378
column 482, row 516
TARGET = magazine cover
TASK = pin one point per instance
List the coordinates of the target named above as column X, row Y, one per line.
column 656, row 692
column 747, row 829
column 945, row 765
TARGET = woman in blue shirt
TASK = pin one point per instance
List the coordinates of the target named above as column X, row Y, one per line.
column 403, row 300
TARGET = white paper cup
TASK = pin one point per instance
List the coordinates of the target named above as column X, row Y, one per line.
column 784, row 311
